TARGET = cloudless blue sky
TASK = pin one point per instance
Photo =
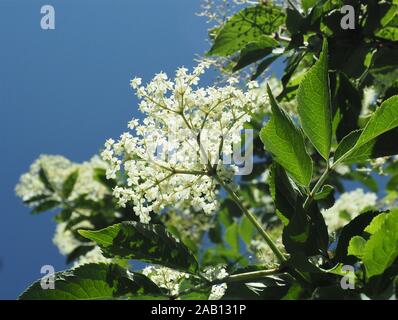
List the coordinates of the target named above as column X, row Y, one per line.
column 65, row 91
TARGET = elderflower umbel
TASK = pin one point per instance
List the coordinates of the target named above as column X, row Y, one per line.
column 347, row 207
column 67, row 243
column 57, row 169
column 165, row 277
column 177, row 155
column 64, row 239
column 93, row 256
column 216, row 273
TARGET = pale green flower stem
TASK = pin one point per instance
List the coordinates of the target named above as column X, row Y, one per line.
column 247, row 276
column 316, row 188
column 282, row 259
column 253, row 220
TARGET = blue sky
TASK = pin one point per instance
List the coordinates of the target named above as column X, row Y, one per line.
column 65, row 91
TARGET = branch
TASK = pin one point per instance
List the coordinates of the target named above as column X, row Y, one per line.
column 253, row 220
column 247, row 276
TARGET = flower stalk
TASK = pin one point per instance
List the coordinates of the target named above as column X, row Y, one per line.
column 253, row 220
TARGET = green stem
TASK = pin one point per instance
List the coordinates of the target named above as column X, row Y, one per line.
column 192, row 172
column 250, row 275
column 253, row 220
column 247, row 276
column 292, row 5
column 316, row 188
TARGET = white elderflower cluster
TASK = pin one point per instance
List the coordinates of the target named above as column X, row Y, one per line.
column 93, row 256
column 67, row 243
column 57, row 169
column 378, row 164
column 348, row 206
column 216, row 273
column 64, row 239
column 369, row 98
column 342, row 169
column 263, row 252
column 184, row 146
column 217, row 11
column 165, row 278
column 171, row 279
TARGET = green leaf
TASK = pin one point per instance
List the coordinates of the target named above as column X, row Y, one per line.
column 255, row 51
column 306, row 234
column 64, row 215
column 379, row 147
column 324, row 192
column 294, row 293
column 389, row 33
column 285, row 141
column 354, row 228
column 363, row 144
column 348, row 153
column 215, row 233
column 392, row 184
column 246, row 230
column 232, row 237
column 246, row 26
column 45, row 206
column 381, row 249
column 232, row 208
column 308, row 4
column 376, row 223
column 293, row 20
column 44, row 179
column 263, row 65
column 334, row 292
column 383, row 119
column 264, row 288
column 69, row 184
column 356, row 246
column 313, row 99
column 389, row 22
column 146, row 242
column 93, row 282
column 347, row 144
column 347, row 106
column 284, row 193
column 201, row 293
column 78, row 252
column 296, row 233
column 37, row 198
column 292, row 64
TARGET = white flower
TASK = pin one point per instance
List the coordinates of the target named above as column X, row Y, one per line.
column 216, row 273
column 263, row 253
column 218, row 291
column 342, row 169
column 171, row 279
column 173, row 157
column 378, row 164
column 57, row 169
column 93, row 256
column 133, row 123
column 64, row 239
column 109, row 143
column 369, row 97
column 252, row 84
column 135, row 83
column 67, row 243
column 347, row 207
column 165, row 277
